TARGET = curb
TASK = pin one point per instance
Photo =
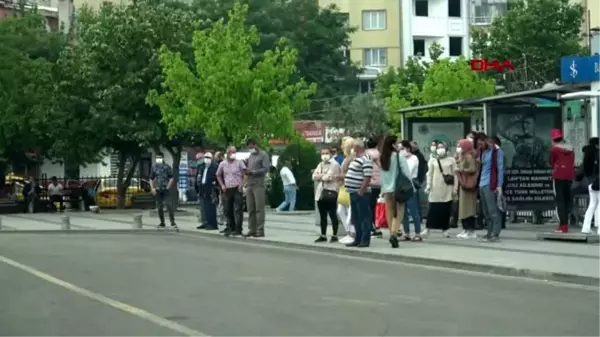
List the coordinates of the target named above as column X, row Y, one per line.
column 474, row 267
column 87, row 231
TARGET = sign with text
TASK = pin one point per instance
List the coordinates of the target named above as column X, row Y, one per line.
column 575, row 69
column 485, row 65
column 528, row 186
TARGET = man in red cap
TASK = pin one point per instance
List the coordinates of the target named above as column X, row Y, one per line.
column 562, row 161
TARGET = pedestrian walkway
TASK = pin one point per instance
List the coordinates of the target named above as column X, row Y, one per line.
column 518, row 254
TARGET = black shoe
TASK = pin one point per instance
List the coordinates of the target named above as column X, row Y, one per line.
column 224, row 230
column 333, row 239
column 321, row 238
column 394, row 241
column 259, row 235
column 352, row 244
column 489, row 239
column 377, row 233
column 162, row 225
column 212, row 228
column 201, row 227
column 237, row 233
column 363, row 245
column 249, row 235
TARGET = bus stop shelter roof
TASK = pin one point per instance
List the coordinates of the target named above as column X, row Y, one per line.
column 550, row 93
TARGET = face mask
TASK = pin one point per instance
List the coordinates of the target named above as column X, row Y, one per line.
column 232, row 156
column 352, row 151
column 459, row 150
column 404, row 152
column 252, row 150
column 470, row 139
column 433, row 149
column 441, row 152
column 325, row 157
column 159, row 160
column 207, row 161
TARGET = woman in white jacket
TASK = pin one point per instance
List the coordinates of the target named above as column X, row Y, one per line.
column 343, row 211
column 440, row 187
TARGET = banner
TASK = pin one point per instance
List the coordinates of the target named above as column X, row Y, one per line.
column 427, row 130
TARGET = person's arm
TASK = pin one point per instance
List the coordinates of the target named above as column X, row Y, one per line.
column 316, row 176
column 500, row 168
column 152, row 177
column 291, row 177
column 265, row 163
column 367, row 173
column 430, row 168
column 170, row 176
column 552, row 158
column 454, row 170
column 219, row 175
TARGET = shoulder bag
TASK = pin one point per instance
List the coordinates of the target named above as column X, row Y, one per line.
column 404, row 187
column 327, row 195
column 448, row 178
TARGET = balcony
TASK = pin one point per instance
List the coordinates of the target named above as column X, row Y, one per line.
column 427, row 26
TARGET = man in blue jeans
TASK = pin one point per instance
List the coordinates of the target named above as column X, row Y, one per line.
column 357, row 182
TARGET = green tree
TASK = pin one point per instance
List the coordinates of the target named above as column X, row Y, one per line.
column 109, row 72
column 360, row 116
column 320, row 35
column 227, row 94
column 533, row 36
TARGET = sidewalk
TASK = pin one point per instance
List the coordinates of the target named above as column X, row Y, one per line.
column 518, row 254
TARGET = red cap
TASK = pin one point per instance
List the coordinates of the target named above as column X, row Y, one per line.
column 556, row 134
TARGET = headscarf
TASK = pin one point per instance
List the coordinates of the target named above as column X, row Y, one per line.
column 466, row 145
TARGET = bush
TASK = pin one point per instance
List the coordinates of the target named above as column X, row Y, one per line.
column 303, row 157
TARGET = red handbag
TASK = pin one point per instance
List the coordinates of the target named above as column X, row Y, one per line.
column 380, row 215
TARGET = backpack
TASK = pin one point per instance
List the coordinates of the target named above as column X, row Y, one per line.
column 404, row 187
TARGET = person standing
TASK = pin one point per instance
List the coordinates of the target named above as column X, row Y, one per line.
column 258, row 167
column 55, row 191
column 31, row 195
column 562, row 162
column 208, row 193
column 412, row 205
column 357, row 182
column 221, row 218
column 344, row 211
column 326, row 176
column 337, row 155
column 373, row 152
column 467, row 168
column 230, row 176
column 289, row 188
column 440, row 187
column 199, row 170
column 161, row 182
column 491, row 179
column 591, row 170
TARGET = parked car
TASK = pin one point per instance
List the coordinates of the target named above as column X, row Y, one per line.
column 106, row 192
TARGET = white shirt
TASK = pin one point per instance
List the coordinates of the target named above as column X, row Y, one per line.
column 413, row 166
column 55, row 189
column 204, row 174
column 287, row 177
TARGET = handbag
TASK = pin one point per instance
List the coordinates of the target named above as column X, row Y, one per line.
column 327, row 195
column 380, row 214
column 404, row 187
column 467, row 181
column 448, row 178
column 343, row 197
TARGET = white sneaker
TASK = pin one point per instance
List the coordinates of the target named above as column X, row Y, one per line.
column 445, row 234
column 462, row 235
column 471, row 235
column 424, row 232
column 346, row 239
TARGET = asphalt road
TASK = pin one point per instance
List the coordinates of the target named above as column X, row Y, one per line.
column 162, row 285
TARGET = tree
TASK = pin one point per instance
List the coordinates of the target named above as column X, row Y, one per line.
column 321, row 37
column 27, row 55
column 533, row 36
column 109, row 72
column 360, row 116
column 227, row 94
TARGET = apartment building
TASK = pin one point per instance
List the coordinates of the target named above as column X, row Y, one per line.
column 58, row 13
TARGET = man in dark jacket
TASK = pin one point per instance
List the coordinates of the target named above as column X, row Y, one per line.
column 207, row 182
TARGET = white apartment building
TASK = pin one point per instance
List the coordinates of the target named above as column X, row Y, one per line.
column 425, row 22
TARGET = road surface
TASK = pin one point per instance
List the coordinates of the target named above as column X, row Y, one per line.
column 165, row 285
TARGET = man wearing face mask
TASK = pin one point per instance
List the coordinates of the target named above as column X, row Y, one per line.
column 161, row 182
column 207, row 192
column 491, row 179
column 258, row 166
column 230, row 176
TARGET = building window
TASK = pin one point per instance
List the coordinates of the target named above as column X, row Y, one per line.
column 454, row 8
column 421, row 8
column 455, row 46
column 373, row 20
column 366, row 86
column 375, row 57
column 418, row 47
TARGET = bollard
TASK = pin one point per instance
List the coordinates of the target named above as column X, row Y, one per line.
column 30, row 207
column 137, row 221
column 0, row 223
column 66, row 223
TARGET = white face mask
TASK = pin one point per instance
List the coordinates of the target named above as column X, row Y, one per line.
column 459, row 150
column 325, row 157
column 232, row 156
column 253, row 150
column 433, row 149
column 470, row 139
column 404, row 152
column 159, row 160
column 207, row 161
column 441, row 152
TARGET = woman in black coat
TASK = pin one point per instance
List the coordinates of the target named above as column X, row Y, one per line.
column 591, row 170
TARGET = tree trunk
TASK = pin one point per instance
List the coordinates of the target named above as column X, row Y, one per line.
column 124, row 178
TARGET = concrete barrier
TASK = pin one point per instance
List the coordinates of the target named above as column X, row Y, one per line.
column 65, row 223
column 137, row 221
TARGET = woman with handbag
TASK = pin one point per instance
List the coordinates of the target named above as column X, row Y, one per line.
column 591, row 170
column 440, row 188
column 412, row 205
column 327, row 177
column 467, row 167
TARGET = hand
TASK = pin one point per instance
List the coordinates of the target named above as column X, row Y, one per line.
column 318, row 177
column 153, row 191
column 361, row 192
column 427, row 190
column 223, row 188
column 454, row 194
column 296, row 187
column 241, row 189
column 499, row 190
column 249, row 172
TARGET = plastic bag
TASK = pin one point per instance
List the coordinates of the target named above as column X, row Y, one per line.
column 380, row 214
column 343, row 197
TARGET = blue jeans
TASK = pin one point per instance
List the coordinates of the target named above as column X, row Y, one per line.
column 360, row 207
column 289, row 193
column 413, row 206
column 209, row 210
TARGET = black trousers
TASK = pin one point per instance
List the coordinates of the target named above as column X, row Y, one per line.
column 233, row 207
column 328, row 208
column 55, row 199
column 375, row 191
column 563, row 199
column 163, row 198
column 468, row 224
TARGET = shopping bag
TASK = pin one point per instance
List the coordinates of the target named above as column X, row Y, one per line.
column 380, row 215
column 343, row 197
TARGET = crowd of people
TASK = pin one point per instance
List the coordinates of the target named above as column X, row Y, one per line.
column 353, row 179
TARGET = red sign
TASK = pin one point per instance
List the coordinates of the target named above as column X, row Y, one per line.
column 313, row 131
column 487, row 65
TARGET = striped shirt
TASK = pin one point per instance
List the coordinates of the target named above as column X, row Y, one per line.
column 359, row 169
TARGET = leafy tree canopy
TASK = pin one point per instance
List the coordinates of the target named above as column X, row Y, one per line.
column 360, row 116
column 226, row 93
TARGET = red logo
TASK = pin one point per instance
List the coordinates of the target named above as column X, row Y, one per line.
column 487, row 65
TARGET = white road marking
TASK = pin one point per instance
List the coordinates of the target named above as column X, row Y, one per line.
column 353, row 301
column 141, row 313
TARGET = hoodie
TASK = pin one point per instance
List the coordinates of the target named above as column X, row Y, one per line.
column 562, row 161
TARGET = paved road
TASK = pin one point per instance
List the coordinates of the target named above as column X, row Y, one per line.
column 219, row 287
